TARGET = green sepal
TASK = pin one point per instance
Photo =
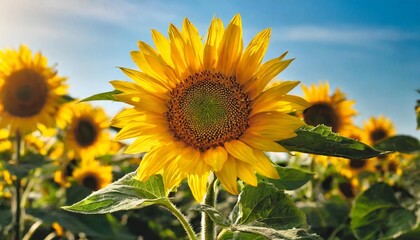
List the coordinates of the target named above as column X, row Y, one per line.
column 106, row 96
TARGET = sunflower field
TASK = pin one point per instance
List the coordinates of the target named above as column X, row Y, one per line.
column 209, row 144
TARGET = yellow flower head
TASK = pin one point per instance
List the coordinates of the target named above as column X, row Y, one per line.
column 30, row 91
column 200, row 107
column 376, row 129
column 333, row 110
column 86, row 130
column 93, row 175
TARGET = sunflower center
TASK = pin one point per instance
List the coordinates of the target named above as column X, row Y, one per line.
column 25, row 94
column 208, row 109
column 378, row 134
column 357, row 163
column 321, row 113
column 85, row 132
column 91, row 182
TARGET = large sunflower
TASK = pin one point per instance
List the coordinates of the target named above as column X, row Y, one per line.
column 93, row 175
column 86, row 131
column 333, row 110
column 200, row 107
column 376, row 129
column 29, row 90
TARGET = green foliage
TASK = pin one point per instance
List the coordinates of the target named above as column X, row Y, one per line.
column 377, row 214
column 27, row 163
column 290, row 178
column 124, row 194
column 322, row 140
column 399, row 143
column 107, row 96
column 215, row 215
column 265, row 212
column 94, row 226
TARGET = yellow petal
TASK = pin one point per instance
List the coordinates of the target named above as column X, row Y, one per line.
column 260, row 142
column 274, row 93
column 197, row 180
column 230, row 48
column 275, row 125
column 177, row 51
column 246, row 173
column 163, row 46
column 252, row 56
column 228, row 175
column 265, row 74
column 216, row 157
column 240, row 150
column 264, row 166
column 154, row 161
column 172, row 176
column 194, row 46
column 214, row 36
column 149, row 83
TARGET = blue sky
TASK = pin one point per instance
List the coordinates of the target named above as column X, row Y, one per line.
column 370, row 49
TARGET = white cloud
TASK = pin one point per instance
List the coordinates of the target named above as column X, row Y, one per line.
column 344, row 35
column 23, row 20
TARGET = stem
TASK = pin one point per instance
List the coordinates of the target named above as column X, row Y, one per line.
column 208, row 230
column 17, row 211
column 177, row 213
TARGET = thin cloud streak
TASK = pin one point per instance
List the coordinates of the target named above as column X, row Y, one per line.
column 345, row 35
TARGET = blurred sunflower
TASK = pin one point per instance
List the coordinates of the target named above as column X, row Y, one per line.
column 5, row 143
column 92, row 175
column 376, row 129
column 86, row 133
column 61, row 176
column 201, row 107
column 30, row 91
column 333, row 110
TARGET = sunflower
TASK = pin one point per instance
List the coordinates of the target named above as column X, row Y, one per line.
column 86, row 133
column 30, row 91
column 200, row 107
column 376, row 129
column 333, row 110
column 64, row 172
column 92, row 175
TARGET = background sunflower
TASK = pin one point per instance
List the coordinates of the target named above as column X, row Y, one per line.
column 30, row 91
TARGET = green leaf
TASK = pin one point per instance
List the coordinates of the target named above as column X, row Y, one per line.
column 124, row 194
column 94, row 226
column 322, row 140
column 376, row 214
column 290, row 178
column 109, row 96
column 261, row 233
column 215, row 215
column 399, row 143
column 266, row 212
column 410, row 235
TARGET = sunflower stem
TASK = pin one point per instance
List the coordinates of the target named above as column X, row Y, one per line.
column 178, row 214
column 17, row 211
column 208, row 230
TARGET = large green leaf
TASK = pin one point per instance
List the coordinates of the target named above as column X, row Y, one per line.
column 377, row 214
column 108, row 96
column 399, row 143
column 94, row 226
column 290, row 178
column 124, row 194
column 322, row 140
column 266, row 211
